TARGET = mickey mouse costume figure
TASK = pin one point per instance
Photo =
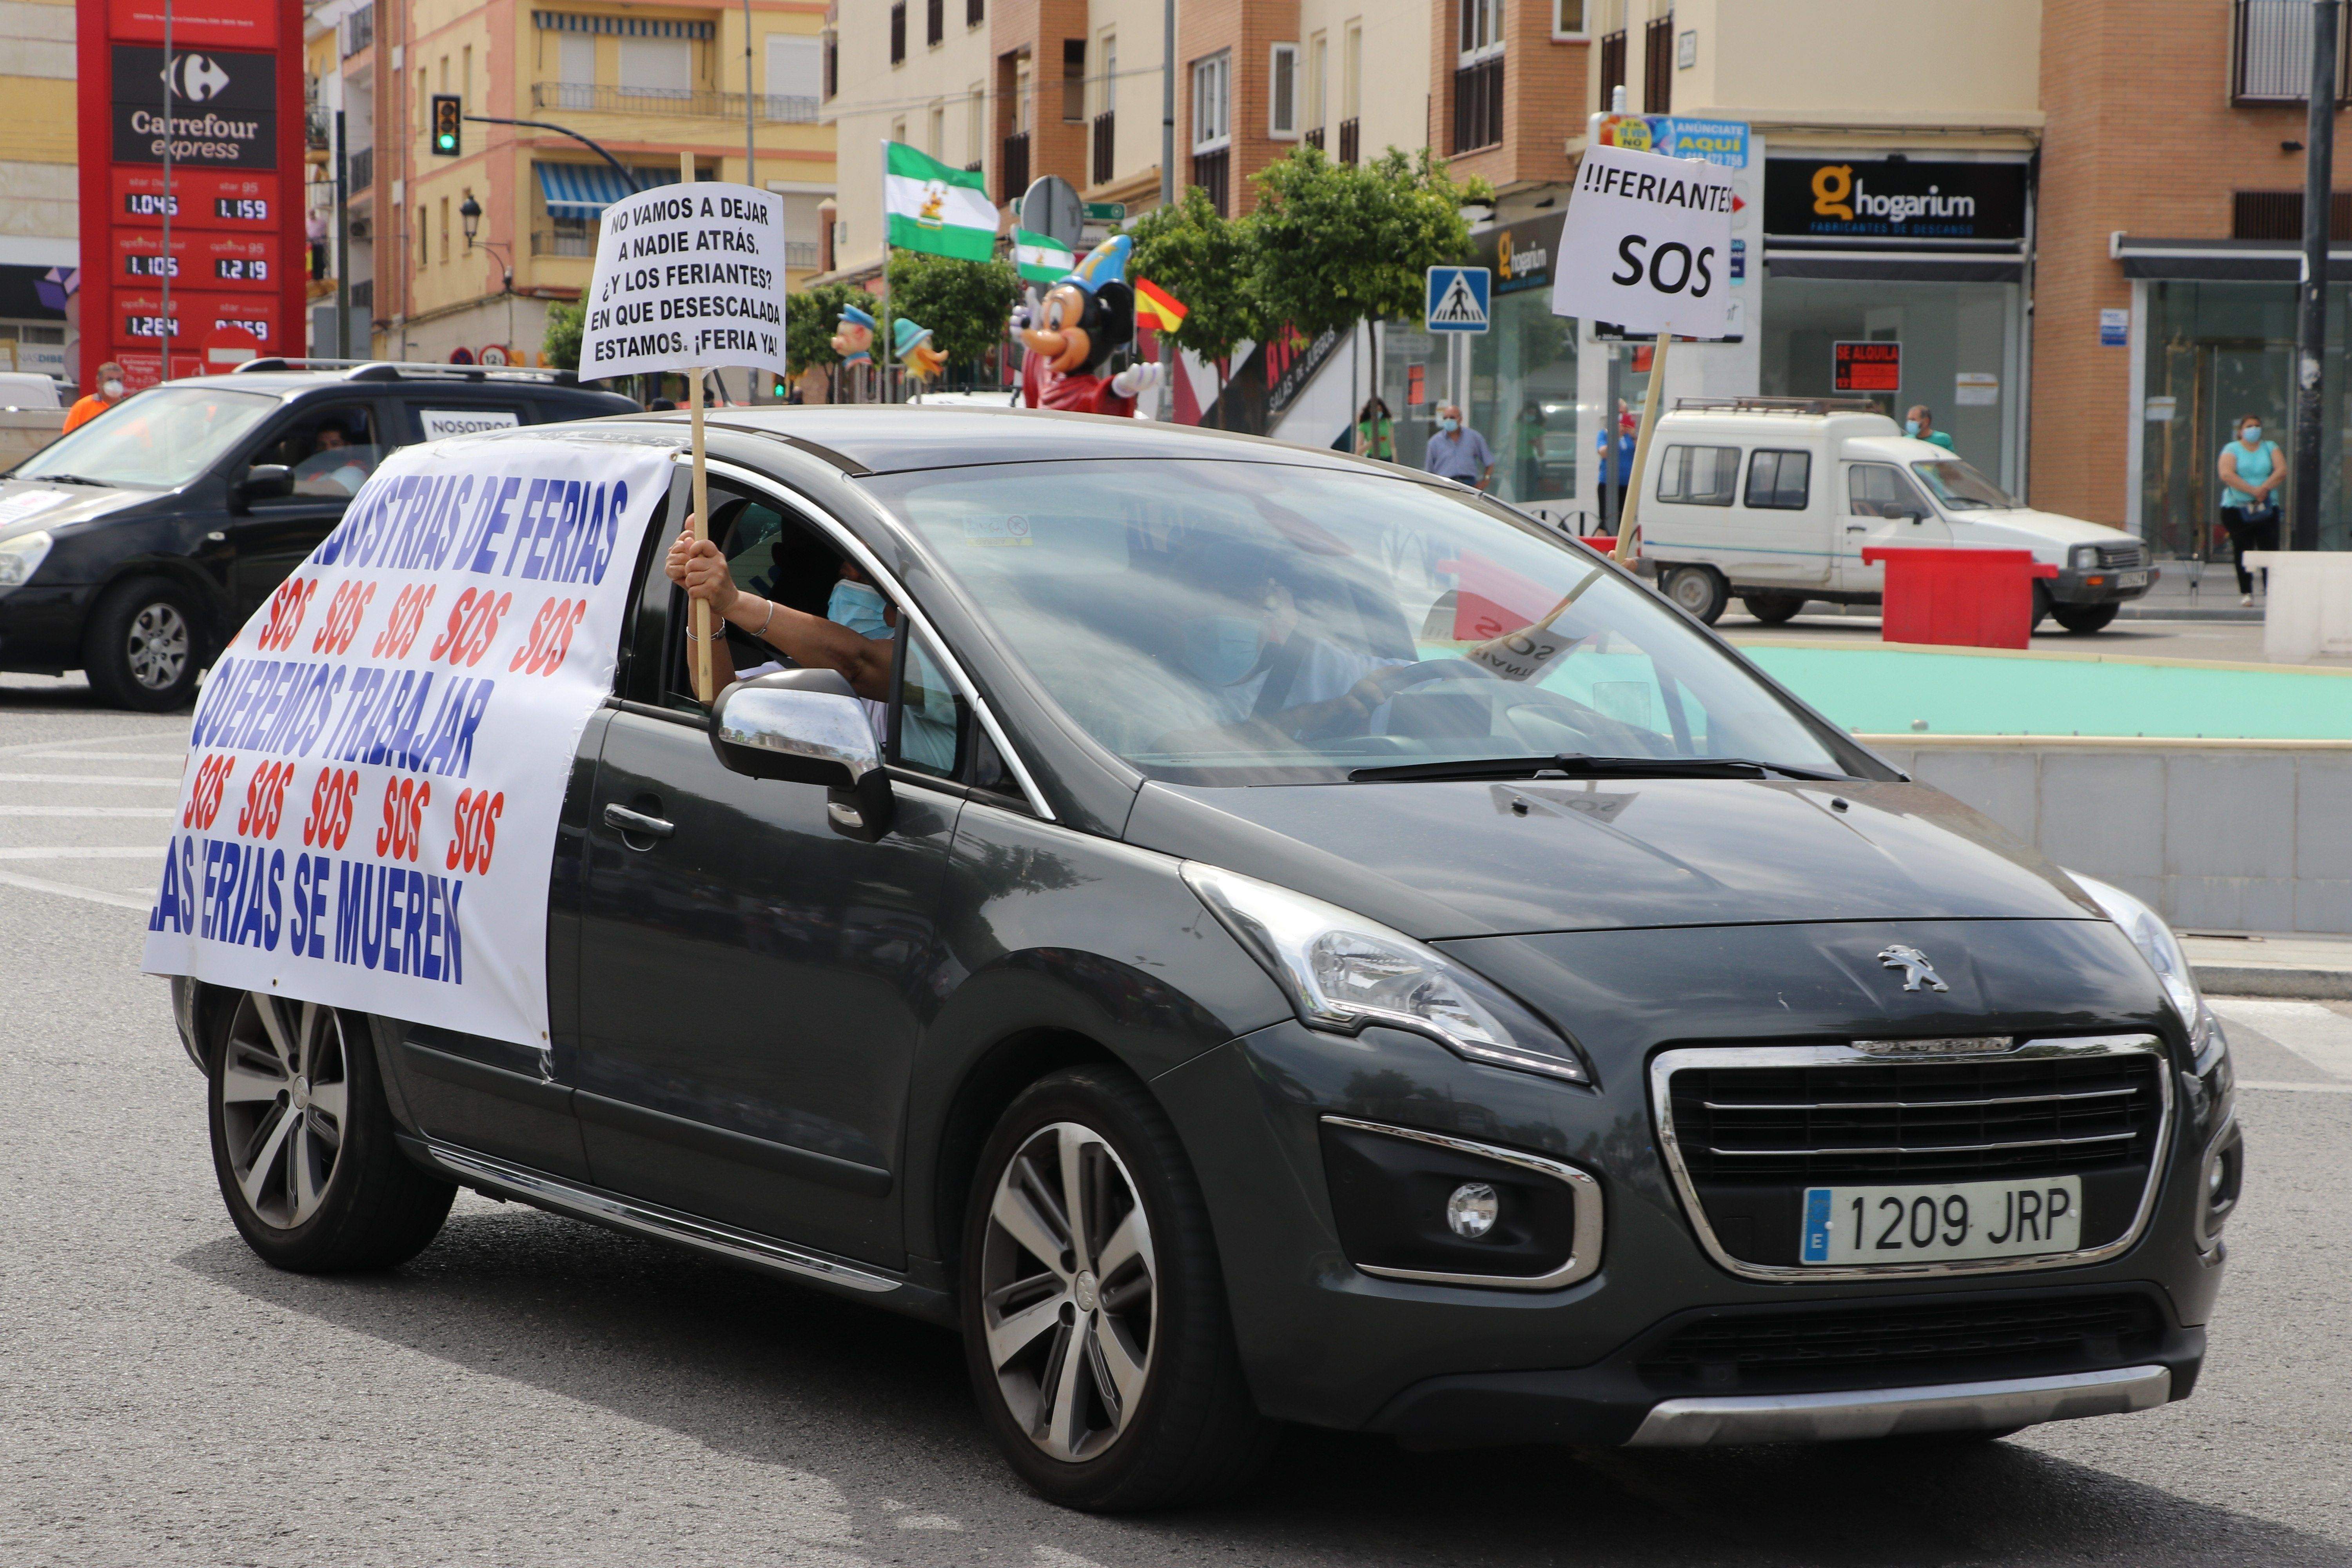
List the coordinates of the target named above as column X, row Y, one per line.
column 1073, row 332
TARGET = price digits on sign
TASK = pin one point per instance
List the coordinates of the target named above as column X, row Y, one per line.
column 249, row 209
column 149, row 204
column 151, row 267
column 239, row 268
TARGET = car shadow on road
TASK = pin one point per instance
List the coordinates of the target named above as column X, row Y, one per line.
column 777, row 1375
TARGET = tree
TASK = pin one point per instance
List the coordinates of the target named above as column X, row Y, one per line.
column 1205, row 259
column 966, row 304
column 1337, row 244
column 562, row 345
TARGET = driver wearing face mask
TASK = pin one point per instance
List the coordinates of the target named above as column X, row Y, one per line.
column 1246, row 645
column 111, row 391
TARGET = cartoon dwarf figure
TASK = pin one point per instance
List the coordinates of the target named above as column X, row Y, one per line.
column 854, row 339
column 921, row 361
column 1073, row 332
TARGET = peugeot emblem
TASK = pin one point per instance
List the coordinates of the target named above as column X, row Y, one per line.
column 1918, row 974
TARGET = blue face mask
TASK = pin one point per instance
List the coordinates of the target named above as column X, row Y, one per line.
column 858, row 608
column 2252, row 435
column 1449, row 426
column 1910, row 427
column 1222, row 649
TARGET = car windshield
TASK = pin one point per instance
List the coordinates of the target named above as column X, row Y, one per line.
column 1241, row 623
column 158, row 440
column 1959, row 487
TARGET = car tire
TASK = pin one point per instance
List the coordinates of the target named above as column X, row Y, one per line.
column 1699, row 592
column 142, row 645
column 1772, row 608
column 1115, row 1390
column 302, row 1140
column 2085, row 619
column 2042, row 604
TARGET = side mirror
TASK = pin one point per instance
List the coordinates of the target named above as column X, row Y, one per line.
column 806, row 726
column 265, row 481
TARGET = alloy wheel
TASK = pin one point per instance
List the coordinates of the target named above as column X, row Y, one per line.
column 1070, row 1291
column 158, row 645
column 284, row 1103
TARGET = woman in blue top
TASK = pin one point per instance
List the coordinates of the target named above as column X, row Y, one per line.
column 2251, row 472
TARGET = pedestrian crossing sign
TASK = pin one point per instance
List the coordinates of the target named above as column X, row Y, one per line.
column 1457, row 298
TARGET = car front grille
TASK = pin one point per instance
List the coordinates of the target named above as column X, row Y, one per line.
column 1903, row 1342
column 1912, row 1122
column 1745, row 1129
column 2122, row 557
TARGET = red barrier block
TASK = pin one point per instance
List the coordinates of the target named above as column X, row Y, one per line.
column 1966, row 598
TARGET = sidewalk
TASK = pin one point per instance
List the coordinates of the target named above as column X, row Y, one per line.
column 2293, row 964
column 2215, row 595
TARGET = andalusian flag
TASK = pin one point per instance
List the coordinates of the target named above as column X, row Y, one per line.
column 1040, row 257
column 933, row 207
column 1156, row 307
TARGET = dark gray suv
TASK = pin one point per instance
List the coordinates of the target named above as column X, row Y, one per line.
column 133, row 548
column 1300, row 943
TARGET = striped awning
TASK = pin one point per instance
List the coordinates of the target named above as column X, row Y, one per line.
column 625, row 27
column 582, row 190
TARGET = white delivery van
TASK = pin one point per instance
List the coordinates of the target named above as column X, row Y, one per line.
column 1774, row 500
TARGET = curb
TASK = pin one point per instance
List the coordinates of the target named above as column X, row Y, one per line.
column 2166, row 612
column 2252, row 980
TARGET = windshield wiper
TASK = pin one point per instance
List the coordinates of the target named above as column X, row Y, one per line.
column 65, row 479
column 1577, row 764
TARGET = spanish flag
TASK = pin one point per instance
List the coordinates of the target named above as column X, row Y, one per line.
column 1155, row 307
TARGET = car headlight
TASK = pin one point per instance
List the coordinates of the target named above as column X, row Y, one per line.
column 1342, row 971
column 2163, row 951
column 2082, row 557
column 22, row 556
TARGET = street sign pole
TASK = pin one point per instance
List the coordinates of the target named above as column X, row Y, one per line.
column 2310, row 324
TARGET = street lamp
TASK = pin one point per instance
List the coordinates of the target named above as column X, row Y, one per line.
column 469, row 215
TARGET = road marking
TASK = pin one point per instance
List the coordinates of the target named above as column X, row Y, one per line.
column 85, row 779
column 2320, row 1035
column 2296, row 1088
column 82, row 852
column 25, row 746
column 68, row 890
column 90, row 811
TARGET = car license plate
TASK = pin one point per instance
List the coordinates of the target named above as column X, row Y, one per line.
column 2131, row 579
column 1943, row 1223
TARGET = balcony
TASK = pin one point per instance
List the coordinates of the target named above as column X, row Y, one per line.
column 1612, row 65
column 1478, row 105
column 1314, row 138
column 1012, row 169
column 1105, row 148
column 1658, row 65
column 672, row 103
column 579, row 242
column 358, row 31
column 1351, row 142
column 2271, row 50
column 362, row 171
column 1212, row 172
column 800, row 255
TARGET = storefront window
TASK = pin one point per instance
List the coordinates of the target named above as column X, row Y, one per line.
column 1958, row 352
column 2217, row 353
column 1523, row 398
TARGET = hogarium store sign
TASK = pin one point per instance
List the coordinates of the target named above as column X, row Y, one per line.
column 1834, row 198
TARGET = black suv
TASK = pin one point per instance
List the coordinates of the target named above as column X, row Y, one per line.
column 134, row 547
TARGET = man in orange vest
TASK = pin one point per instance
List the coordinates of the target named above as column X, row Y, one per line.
column 110, row 393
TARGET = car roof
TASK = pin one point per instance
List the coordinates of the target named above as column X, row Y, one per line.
column 293, row 382
column 885, row 438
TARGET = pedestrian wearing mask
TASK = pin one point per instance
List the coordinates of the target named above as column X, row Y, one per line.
column 111, row 391
column 1920, row 425
column 1458, row 452
column 1375, row 430
column 1616, row 467
column 2251, row 472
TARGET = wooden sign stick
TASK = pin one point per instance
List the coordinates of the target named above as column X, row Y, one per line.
column 1629, row 509
column 700, row 626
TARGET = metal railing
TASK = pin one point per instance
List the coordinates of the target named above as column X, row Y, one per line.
column 1478, row 105
column 684, row 103
column 563, row 242
column 1314, row 137
column 362, row 169
column 800, row 255
column 1012, row 168
column 358, row 31
column 1351, row 142
column 1212, row 172
column 898, row 33
column 1104, row 147
column 2271, row 54
column 1658, row 65
column 1613, row 64
column 935, row 21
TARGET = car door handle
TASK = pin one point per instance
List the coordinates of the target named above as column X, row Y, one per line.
column 637, row 822
column 1857, row 528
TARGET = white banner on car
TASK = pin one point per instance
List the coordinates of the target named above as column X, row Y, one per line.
column 443, row 423
column 688, row 277
column 1646, row 245
column 367, row 819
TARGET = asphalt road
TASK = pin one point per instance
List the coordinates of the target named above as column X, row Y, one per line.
column 534, row 1391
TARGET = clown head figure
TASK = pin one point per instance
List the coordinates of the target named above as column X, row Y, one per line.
column 916, row 354
column 854, row 339
column 1073, row 331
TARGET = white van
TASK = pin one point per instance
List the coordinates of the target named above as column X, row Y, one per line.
column 1775, row 499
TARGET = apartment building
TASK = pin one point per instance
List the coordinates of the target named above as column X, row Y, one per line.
column 467, row 250
column 40, row 207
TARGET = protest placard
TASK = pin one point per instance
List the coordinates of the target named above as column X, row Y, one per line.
column 689, row 276
column 367, row 819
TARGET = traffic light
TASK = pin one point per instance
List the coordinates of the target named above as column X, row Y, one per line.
column 448, row 115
